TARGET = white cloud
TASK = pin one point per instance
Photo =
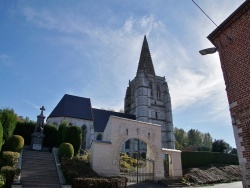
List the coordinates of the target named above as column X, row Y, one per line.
column 31, row 104
column 5, row 59
column 115, row 54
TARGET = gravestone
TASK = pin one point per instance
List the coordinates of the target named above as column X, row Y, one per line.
column 38, row 136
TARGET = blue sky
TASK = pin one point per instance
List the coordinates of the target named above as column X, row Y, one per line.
column 91, row 49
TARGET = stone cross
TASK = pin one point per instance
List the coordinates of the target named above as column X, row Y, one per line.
column 42, row 109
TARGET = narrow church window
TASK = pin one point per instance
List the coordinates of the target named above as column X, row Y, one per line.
column 158, row 91
column 99, row 136
column 151, row 89
column 127, row 131
column 84, row 133
column 127, row 144
column 148, row 135
column 156, row 115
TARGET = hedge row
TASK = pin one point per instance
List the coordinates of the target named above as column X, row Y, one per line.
column 53, row 136
column 117, row 182
column 196, row 159
column 25, row 129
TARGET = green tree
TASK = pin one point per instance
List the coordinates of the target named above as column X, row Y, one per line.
column 181, row 137
column 1, row 136
column 8, row 119
column 194, row 138
column 220, row 146
column 207, row 141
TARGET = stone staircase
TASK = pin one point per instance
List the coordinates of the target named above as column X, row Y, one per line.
column 39, row 170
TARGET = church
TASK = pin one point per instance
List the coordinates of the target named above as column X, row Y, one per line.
column 147, row 99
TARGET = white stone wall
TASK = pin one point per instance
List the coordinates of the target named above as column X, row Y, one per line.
column 114, row 137
column 175, row 165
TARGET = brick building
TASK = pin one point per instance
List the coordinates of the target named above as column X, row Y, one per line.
column 232, row 40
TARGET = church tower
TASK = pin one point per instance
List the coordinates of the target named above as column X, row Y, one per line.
column 148, row 98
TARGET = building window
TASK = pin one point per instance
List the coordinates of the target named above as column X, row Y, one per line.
column 84, row 133
column 127, row 131
column 156, row 115
column 127, row 144
column 99, row 136
column 158, row 91
column 151, row 89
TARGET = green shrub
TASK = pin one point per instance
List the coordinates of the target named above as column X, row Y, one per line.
column 2, row 181
column 196, row 159
column 66, row 150
column 119, row 182
column 25, row 129
column 8, row 119
column 1, row 137
column 73, row 135
column 9, row 174
column 14, row 143
column 77, row 167
column 10, row 158
column 62, row 131
column 50, row 139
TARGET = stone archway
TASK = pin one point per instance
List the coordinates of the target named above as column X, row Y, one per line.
column 105, row 154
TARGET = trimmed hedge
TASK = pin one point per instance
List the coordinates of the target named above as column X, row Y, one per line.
column 62, row 129
column 116, row 182
column 196, row 159
column 66, row 150
column 9, row 174
column 25, row 129
column 50, row 139
column 73, row 135
column 14, row 143
column 10, row 158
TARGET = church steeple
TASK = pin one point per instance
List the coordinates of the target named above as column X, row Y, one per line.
column 145, row 62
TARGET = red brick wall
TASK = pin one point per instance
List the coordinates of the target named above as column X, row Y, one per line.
column 235, row 64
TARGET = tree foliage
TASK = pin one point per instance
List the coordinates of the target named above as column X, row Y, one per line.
column 8, row 119
column 1, row 136
column 193, row 140
column 220, row 146
column 180, row 138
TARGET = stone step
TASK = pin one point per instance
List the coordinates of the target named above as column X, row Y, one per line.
column 41, row 186
column 39, row 170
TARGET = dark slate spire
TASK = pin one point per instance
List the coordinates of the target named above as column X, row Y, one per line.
column 145, row 62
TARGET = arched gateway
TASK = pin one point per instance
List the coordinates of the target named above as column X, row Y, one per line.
column 105, row 154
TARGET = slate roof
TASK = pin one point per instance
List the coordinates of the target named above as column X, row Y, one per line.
column 101, row 118
column 80, row 107
column 73, row 106
column 145, row 62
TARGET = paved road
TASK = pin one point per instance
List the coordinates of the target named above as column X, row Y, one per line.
column 225, row 185
column 155, row 185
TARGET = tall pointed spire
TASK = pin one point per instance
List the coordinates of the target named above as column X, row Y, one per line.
column 145, row 62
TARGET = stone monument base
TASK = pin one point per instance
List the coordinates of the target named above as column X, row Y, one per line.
column 37, row 141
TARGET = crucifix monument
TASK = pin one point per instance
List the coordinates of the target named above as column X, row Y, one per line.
column 38, row 136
